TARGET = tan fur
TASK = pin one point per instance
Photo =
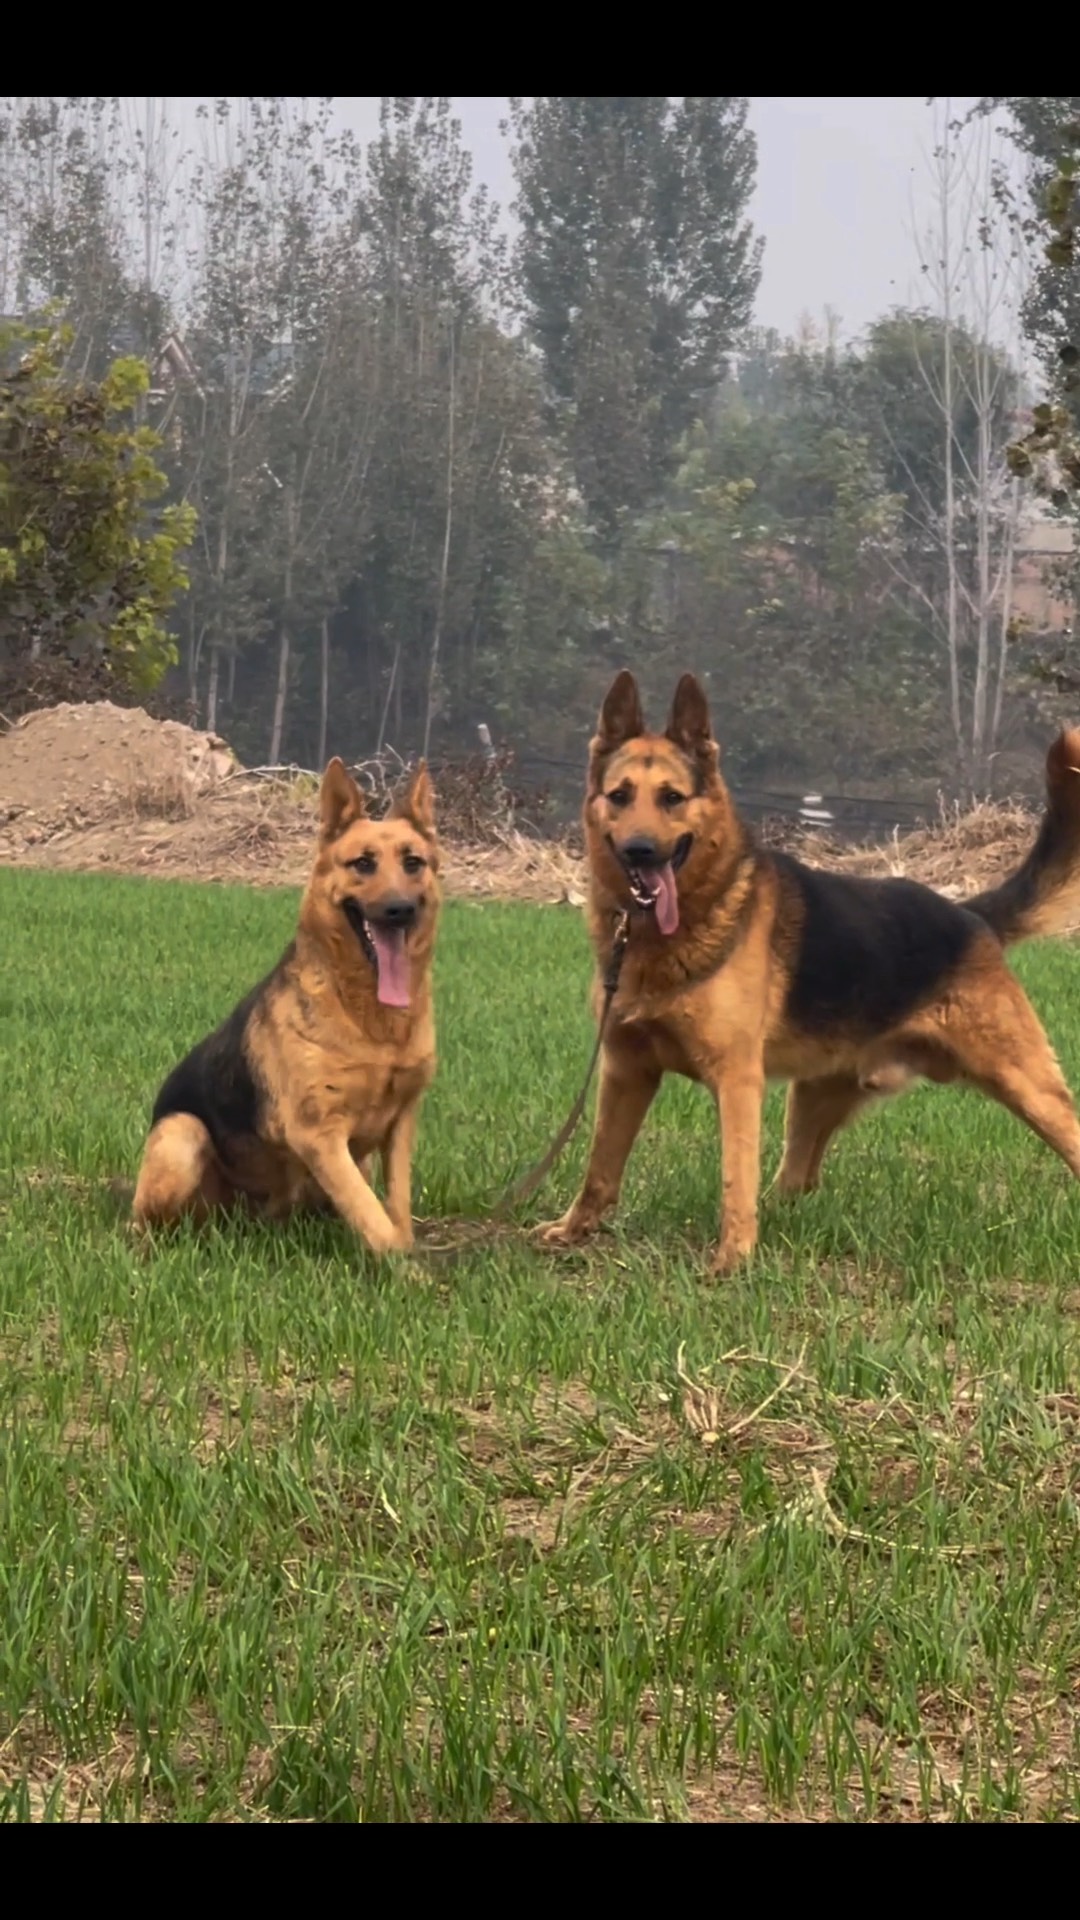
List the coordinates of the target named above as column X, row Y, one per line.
column 1043, row 895
column 342, row 1074
column 710, row 1001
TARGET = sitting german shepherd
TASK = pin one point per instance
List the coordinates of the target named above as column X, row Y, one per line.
column 743, row 965
column 329, row 1058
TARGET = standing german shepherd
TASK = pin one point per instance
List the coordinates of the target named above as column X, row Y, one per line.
column 329, row 1058
column 743, row 965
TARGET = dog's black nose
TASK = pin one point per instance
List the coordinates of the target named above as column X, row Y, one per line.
column 641, row 852
column 397, row 911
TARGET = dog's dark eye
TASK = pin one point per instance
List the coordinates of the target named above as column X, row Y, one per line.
column 672, row 798
column 619, row 797
column 412, row 863
column 365, row 864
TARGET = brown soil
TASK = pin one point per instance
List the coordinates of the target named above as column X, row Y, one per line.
column 109, row 789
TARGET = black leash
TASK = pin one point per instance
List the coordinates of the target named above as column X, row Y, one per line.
column 524, row 1188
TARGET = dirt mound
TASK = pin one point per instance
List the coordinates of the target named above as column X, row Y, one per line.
column 75, row 765
column 102, row 787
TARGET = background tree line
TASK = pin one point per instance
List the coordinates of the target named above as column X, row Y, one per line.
column 440, row 477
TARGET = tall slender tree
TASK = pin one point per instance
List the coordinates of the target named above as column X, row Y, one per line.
column 638, row 269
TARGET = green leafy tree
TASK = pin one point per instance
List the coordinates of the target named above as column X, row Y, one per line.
column 776, row 543
column 63, row 242
column 894, row 395
column 1047, row 131
column 637, row 268
column 470, row 573
column 89, row 562
column 389, row 549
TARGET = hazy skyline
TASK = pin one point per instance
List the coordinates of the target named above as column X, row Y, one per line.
column 837, row 176
column 841, row 180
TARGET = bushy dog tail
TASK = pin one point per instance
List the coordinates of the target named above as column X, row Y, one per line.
column 1043, row 895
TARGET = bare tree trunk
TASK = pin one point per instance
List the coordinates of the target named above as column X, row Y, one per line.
column 952, row 613
column 278, row 727
column 440, row 609
column 977, row 283
column 280, row 696
column 391, row 684
column 195, row 647
column 147, row 198
column 231, row 692
column 324, row 690
column 980, row 695
column 193, row 688
column 1006, row 610
column 212, row 689
column 371, row 663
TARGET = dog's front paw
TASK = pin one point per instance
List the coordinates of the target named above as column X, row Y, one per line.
column 734, row 1251
column 388, row 1245
column 570, row 1231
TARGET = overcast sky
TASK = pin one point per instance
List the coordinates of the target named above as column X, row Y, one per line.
column 839, row 178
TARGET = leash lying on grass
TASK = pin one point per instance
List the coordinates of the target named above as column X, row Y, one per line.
column 524, row 1188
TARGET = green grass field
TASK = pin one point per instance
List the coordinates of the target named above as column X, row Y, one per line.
column 289, row 1536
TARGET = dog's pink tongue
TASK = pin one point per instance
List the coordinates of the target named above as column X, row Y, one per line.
column 393, row 982
column 661, row 884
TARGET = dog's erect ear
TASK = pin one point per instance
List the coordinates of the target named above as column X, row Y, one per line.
column 689, row 725
column 340, row 800
column 621, row 717
column 417, row 803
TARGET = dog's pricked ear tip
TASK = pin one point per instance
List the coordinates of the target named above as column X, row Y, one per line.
column 689, row 720
column 624, row 683
column 689, row 688
column 340, row 799
column 416, row 800
column 621, row 716
column 336, row 777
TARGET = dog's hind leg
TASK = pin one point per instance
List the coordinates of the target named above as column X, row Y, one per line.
column 180, row 1174
column 816, row 1109
column 998, row 1044
column 628, row 1087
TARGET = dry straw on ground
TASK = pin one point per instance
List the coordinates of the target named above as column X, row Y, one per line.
column 104, row 788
